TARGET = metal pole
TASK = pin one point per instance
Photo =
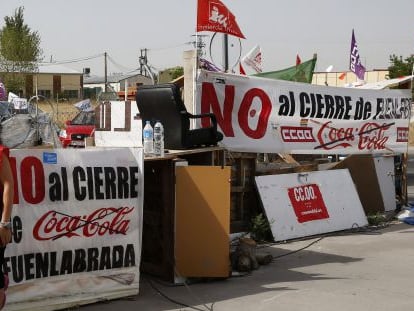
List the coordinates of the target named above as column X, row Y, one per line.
column 57, row 106
column 404, row 156
column 147, row 69
column 37, row 113
column 226, row 52
column 126, row 90
column 106, row 73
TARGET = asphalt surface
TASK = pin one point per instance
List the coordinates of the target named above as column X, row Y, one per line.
column 367, row 269
column 410, row 174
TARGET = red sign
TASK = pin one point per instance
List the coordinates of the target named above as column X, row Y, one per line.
column 297, row 134
column 402, row 134
column 307, row 202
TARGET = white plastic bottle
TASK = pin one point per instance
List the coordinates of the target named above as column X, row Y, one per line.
column 159, row 139
column 148, row 137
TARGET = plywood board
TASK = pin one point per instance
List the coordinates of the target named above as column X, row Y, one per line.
column 202, row 224
column 305, row 204
column 385, row 169
column 364, row 175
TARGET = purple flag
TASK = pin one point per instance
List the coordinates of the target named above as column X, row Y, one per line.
column 205, row 64
column 354, row 60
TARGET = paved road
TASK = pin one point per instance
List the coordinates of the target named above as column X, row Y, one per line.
column 410, row 174
column 359, row 271
column 368, row 270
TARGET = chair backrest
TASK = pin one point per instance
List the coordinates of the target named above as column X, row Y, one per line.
column 163, row 102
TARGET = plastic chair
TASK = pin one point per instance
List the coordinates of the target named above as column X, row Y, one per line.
column 163, row 102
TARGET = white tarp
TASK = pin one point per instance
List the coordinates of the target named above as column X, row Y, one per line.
column 77, row 226
column 275, row 116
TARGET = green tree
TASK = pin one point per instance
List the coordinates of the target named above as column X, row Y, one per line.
column 176, row 72
column 19, row 50
column 170, row 74
column 400, row 67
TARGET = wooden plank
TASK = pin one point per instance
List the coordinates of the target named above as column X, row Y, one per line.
column 288, row 158
column 202, row 221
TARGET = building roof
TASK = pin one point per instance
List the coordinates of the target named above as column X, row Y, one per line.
column 386, row 83
column 58, row 69
column 50, row 68
column 111, row 78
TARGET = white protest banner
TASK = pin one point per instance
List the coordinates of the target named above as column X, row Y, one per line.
column 77, row 226
column 118, row 124
column 84, row 105
column 265, row 115
column 19, row 103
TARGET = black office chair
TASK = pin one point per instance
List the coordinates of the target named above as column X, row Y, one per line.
column 163, row 102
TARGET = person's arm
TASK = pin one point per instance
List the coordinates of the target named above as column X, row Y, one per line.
column 6, row 179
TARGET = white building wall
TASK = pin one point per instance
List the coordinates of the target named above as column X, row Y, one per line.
column 332, row 78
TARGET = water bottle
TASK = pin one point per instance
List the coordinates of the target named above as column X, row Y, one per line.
column 158, row 139
column 148, row 136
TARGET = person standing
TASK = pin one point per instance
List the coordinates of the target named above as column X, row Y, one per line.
column 3, row 93
column 6, row 204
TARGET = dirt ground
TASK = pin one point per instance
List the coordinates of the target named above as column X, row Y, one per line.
column 60, row 112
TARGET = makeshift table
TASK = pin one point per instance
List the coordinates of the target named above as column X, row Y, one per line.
column 186, row 217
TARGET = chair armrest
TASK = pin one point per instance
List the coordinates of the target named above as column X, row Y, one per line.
column 203, row 115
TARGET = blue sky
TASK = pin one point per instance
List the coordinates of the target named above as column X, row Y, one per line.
column 78, row 29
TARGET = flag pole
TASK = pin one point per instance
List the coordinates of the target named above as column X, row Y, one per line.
column 226, row 52
column 194, row 71
column 404, row 156
column 404, row 159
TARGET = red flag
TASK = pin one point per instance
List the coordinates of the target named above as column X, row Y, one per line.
column 298, row 60
column 242, row 72
column 213, row 15
column 342, row 76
